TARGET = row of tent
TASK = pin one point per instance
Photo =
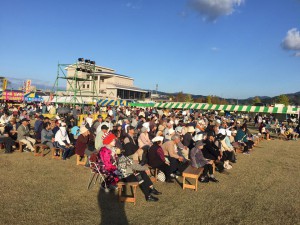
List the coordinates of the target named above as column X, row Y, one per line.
column 229, row 108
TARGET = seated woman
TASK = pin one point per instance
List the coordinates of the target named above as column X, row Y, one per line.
column 62, row 141
column 198, row 160
column 47, row 136
column 83, row 143
column 129, row 173
column 157, row 160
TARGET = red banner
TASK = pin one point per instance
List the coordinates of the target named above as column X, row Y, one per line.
column 16, row 96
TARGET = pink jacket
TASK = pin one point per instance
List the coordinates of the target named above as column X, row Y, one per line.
column 107, row 159
column 144, row 140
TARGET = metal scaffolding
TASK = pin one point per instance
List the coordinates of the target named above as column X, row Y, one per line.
column 79, row 75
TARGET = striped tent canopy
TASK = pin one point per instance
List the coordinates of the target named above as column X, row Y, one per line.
column 33, row 97
column 230, row 108
column 110, row 102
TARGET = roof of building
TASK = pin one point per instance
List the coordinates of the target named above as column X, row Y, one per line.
column 123, row 87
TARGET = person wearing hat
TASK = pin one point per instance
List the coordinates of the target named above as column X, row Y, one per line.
column 24, row 136
column 109, row 160
column 47, row 136
column 198, row 160
column 62, row 141
column 157, row 160
column 131, row 147
column 84, row 140
column 131, row 171
column 98, row 139
column 188, row 137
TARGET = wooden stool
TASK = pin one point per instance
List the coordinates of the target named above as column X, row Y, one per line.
column 21, row 144
column 153, row 178
column 41, row 148
column 82, row 162
column 53, row 152
column 133, row 186
column 194, row 173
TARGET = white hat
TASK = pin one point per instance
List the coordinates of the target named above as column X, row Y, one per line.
column 198, row 137
column 57, row 117
column 218, row 121
column 191, row 129
column 228, row 133
column 171, row 131
column 234, row 132
column 238, row 122
column 172, row 122
column 83, row 129
column 178, row 129
column 222, row 131
column 147, row 126
column 157, row 138
column 63, row 124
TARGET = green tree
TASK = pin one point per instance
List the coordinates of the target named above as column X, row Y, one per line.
column 283, row 99
column 256, row 100
column 188, row 98
column 180, row 97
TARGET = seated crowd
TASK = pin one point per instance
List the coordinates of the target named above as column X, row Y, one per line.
column 130, row 142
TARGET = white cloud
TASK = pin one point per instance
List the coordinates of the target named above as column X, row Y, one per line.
column 213, row 9
column 291, row 40
column 297, row 54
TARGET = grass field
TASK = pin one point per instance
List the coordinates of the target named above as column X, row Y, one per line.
column 262, row 188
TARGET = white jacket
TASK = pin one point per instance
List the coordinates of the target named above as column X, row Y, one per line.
column 60, row 137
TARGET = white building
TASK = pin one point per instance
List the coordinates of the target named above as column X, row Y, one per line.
column 103, row 83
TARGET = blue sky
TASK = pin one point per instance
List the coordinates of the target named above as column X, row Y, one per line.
column 229, row 48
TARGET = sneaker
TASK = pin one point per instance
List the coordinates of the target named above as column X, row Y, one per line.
column 246, row 153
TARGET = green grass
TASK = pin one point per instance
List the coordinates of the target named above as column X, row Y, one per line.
column 262, row 188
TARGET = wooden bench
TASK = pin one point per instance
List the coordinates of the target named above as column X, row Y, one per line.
column 193, row 173
column 81, row 162
column 133, row 186
column 53, row 153
column 39, row 149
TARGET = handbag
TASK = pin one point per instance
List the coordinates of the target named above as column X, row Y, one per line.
column 161, row 176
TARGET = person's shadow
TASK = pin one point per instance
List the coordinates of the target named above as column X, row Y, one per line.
column 112, row 211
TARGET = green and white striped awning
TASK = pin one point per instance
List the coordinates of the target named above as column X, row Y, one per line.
column 230, row 108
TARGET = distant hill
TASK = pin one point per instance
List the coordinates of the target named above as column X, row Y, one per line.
column 294, row 98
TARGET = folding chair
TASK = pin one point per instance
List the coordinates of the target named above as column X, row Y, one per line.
column 97, row 171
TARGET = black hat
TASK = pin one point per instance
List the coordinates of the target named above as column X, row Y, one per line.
column 104, row 127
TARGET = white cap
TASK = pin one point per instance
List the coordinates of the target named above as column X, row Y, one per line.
column 157, row 138
column 222, row 131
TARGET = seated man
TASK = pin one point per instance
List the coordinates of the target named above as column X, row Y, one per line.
column 170, row 152
column 11, row 129
column 47, row 136
column 62, row 141
column 23, row 135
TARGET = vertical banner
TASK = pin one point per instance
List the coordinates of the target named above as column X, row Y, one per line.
column 27, row 86
column 4, row 84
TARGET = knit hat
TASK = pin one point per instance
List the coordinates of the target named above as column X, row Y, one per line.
column 83, row 130
column 108, row 138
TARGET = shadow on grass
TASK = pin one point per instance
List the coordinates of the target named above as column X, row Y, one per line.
column 112, row 211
